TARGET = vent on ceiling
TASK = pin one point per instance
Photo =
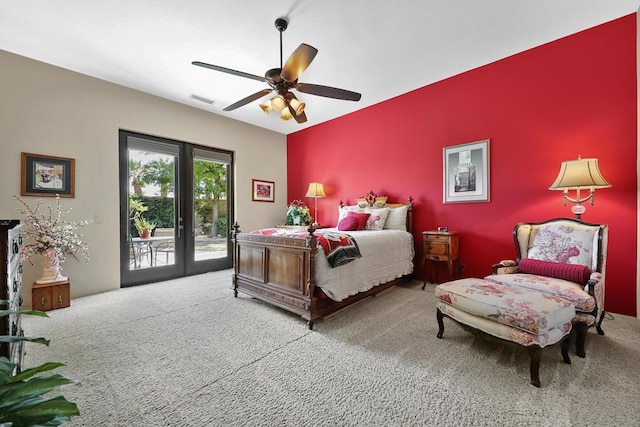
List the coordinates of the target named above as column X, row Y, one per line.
column 201, row 99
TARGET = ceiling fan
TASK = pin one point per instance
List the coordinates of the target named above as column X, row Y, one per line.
column 283, row 79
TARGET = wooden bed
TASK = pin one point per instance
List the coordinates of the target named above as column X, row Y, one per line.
column 281, row 271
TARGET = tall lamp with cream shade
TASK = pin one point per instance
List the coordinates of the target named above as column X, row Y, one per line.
column 315, row 190
column 576, row 175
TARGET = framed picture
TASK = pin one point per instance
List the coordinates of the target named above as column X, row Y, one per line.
column 47, row 176
column 262, row 191
column 466, row 172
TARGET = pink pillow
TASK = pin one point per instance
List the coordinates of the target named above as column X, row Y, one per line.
column 348, row 223
column 361, row 217
column 572, row 272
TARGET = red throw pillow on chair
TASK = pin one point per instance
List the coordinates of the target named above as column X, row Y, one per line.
column 361, row 217
column 572, row 272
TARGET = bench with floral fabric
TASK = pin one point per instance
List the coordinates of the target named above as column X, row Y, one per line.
column 531, row 319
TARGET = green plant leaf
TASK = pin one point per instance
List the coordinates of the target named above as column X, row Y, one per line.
column 10, row 338
column 6, row 370
column 28, row 373
column 17, row 392
column 21, row 312
column 38, row 411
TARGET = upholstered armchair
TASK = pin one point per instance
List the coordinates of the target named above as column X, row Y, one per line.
column 564, row 257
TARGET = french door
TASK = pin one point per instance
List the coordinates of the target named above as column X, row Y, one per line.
column 176, row 207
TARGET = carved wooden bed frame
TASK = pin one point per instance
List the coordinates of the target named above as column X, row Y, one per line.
column 281, row 271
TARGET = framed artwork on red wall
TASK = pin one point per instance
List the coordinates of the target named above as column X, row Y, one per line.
column 466, row 172
column 262, row 191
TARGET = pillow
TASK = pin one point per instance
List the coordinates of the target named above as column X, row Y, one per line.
column 557, row 242
column 377, row 219
column 361, row 217
column 572, row 272
column 348, row 223
column 397, row 219
column 344, row 210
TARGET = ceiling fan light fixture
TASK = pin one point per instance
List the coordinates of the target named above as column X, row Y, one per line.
column 286, row 114
column 277, row 103
column 297, row 106
column 266, row 107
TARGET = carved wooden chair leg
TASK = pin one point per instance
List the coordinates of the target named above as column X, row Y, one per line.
column 439, row 317
column 535, row 353
column 564, row 348
column 581, row 336
column 599, row 324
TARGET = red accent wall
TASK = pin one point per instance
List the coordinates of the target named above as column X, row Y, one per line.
column 574, row 96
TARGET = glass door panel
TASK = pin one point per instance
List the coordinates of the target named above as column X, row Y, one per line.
column 152, row 208
column 211, row 209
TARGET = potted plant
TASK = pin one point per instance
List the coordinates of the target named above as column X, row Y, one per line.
column 144, row 226
column 27, row 398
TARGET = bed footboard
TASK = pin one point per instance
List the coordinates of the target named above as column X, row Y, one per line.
column 276, row 269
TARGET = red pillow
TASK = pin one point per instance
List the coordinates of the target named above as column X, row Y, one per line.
column 361, row 217
column 572, row 272
column 348, row 223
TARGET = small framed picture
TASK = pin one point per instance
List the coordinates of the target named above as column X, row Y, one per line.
column 466, row 173
column 262, row 191
column 47, row 176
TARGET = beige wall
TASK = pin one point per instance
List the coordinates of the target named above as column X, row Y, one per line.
column 49, row 110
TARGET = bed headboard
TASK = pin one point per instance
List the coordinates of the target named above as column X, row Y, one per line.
column 377, row 201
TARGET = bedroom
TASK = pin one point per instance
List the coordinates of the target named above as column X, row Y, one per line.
column 538, row 108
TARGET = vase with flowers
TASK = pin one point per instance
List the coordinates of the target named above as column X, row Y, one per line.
column 298, row 213
column 47, row 234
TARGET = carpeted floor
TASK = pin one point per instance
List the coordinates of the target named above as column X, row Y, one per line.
column 187, row 353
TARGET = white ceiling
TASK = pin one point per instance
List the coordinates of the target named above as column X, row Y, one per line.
column 381, row 49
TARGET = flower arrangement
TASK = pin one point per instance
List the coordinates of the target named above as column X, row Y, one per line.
column 46, row 233
column 298, row 213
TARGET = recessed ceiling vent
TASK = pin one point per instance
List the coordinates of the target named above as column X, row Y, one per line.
column 201, row 99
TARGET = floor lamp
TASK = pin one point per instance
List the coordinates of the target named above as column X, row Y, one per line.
column 315, row 190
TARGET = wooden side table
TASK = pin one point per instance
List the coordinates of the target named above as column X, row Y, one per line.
column 439, row 246
column 50, row 296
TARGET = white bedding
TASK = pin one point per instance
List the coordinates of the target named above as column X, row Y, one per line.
column 386, row 255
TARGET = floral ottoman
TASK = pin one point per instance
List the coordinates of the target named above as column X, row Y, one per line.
column 531, row 319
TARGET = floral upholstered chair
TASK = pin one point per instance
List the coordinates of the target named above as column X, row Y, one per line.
column 564, row 257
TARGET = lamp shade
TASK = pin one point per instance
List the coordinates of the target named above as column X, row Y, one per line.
column 315, row 190
column 580, row 173
column 285, row 114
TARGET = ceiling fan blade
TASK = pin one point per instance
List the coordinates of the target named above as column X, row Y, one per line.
column 298, row 62
column 229, row 71
column 248, row 99
column 300, row 118
column 328, row 92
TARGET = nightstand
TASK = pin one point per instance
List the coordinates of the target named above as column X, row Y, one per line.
column 439, row 247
